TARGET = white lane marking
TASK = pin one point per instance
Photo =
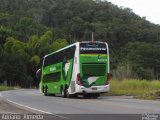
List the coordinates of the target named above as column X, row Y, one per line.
column 7, row 112
column 36, row 109
column 29, row 107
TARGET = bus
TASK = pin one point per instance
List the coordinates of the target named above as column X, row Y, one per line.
column 78, row 69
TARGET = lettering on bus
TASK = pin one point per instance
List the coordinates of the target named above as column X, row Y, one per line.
column 54, row 68
column 102, row 60
column 93, row 48
column 82, row 48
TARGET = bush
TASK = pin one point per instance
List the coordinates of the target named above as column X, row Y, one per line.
column 134, row 87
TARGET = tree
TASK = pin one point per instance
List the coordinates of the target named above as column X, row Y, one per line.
column 4, row 33
column 27, row 27
column 59, row 43
column 14, row 61
column 144, row 57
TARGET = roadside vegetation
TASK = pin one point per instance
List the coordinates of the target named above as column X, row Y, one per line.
column 141, row 89
column 4, row 88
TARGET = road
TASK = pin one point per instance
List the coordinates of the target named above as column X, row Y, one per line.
column 112, row 107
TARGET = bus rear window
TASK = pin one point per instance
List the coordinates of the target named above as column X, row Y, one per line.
column 93, row 48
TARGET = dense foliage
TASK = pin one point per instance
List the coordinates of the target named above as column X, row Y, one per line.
column 29, row 29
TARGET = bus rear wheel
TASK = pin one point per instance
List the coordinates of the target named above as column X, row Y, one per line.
column 91, row 95
column 73, row 96
column 95, row 95
column 63, row 92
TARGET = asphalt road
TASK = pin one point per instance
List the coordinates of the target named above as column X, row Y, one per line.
column 102, row 108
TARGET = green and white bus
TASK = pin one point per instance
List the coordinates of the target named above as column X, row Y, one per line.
column 78, row 69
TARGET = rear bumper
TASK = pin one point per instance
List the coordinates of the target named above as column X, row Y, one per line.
column 93, row 89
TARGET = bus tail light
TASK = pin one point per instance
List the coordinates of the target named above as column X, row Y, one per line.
column 79, row 79
column 108, row 78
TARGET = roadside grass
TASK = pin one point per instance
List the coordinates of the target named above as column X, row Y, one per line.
column 4, row 88
column 141, row 89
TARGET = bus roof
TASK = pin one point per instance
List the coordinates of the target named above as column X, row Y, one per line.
column 73, row 45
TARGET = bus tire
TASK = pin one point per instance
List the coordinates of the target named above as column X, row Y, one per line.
column 87, row 95
column 95, row 95
column 74, row 96
column 46, row 91
column 62, row 91
column 68, row 95
column 43, row 89
column 65, row 91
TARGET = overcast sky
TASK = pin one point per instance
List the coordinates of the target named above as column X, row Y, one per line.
column 145, row 8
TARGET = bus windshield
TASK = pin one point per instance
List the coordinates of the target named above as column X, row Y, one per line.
column 93, row 48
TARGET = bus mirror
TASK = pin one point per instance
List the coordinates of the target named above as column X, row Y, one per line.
column 38, row 73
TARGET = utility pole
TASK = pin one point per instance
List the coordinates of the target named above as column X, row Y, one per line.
column 92, row 36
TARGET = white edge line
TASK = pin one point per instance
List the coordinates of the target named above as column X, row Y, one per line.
column 36, row 109
column 7, row 113
column 29, row 107
column 1, row 95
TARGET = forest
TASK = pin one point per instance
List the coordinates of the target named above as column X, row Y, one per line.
column 29, row 29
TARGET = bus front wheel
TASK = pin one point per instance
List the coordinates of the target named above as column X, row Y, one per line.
column 43, row 89
column 46, row 91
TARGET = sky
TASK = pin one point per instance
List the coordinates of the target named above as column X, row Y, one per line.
column 144, row 8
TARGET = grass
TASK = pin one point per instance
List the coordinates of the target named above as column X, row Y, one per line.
column 4, row 88
column 141, row 89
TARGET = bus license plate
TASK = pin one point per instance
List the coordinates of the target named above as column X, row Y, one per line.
column 94, row 88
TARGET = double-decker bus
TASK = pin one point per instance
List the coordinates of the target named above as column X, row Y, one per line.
column 78, row 69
